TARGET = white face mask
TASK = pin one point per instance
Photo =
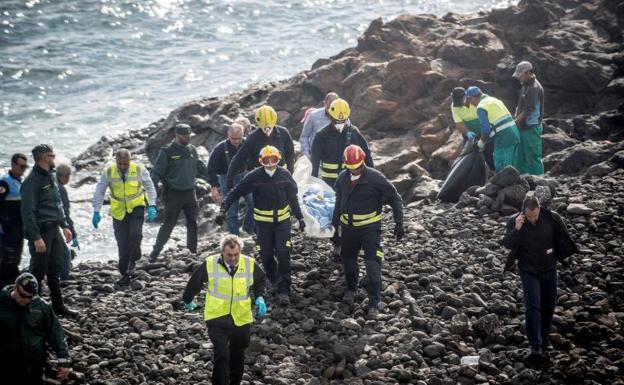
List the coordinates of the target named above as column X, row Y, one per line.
column 270, row 172
column 355, row 177
column 267, row 131
column 339, row 126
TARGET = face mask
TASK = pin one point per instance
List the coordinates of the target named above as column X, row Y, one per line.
column 270, row 172
column 339, row 126
column 267, row 131
column 355, row 177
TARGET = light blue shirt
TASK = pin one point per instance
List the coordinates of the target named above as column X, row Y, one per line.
column 100, row 189
column 316, row 120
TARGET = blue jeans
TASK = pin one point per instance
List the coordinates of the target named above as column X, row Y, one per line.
column 540, row 296
column 231, row 216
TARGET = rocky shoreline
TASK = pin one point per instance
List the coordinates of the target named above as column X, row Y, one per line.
column 448, row 313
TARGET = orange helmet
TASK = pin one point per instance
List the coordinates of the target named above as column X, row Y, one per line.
column 268, row 152
column 353, row 157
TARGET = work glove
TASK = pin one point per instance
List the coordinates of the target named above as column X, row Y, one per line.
column 470, row 136
column 481, row 145
column 302, row 225
column 399, row 230
column 191, row 306
column 151, row 213
column 95, row 221
column 75, row 243
column 220, row 218
column 262, row 309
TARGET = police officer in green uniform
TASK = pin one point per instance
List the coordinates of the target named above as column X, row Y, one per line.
column 230, row 277
column 27, row 324
column 43, row 216
column 177, row 166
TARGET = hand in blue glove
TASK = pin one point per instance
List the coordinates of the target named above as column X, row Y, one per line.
column 470, row 136
column 95, row 221
column 75, row 243
column 151, row 213
column 262, row 309
column 190, row 306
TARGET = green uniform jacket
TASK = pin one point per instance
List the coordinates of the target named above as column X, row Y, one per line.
column 24, row 331
column 41, row 202
column 177, row 167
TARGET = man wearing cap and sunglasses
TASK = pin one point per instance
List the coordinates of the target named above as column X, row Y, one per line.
column 274, row 193
column 43, row 216
column 11, row 226
column 177, row 166
column 27, row 325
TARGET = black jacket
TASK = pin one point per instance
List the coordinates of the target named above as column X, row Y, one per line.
column 564, row 246
column 66, row 208
column 328, row 147
column 220, row 160
column 370, row 193
column 177, row 167
column 269, row 193
column 249, row 152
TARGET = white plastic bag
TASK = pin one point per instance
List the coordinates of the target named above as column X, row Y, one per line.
column 306, row 183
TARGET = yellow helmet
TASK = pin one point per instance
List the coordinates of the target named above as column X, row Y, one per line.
column 339, row 110
column 266, row 117
column 267, row 152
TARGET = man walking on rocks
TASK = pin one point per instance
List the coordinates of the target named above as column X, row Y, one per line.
column 314, row 122
column 496, row 124
column 529, row 115
column 63, row 175
column 11, row 226
column 229, row 278
column 130, row 186
column 538, row 238
column 43, row 217
column 275, row 200
column 176, row 167
column 360, row 194
column 27, row 325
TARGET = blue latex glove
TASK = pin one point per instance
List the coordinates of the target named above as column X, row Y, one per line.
column 470, row 136
column 75, row 243
column 262, row 309
column 190, row 306
column 95, row 221
column 151, row 213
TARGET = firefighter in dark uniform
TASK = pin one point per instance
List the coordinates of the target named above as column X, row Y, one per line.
column 360, row 194
column 268, row 133
column 11, row 226
column 274, row 194
column 177, row 167
column 329, row 144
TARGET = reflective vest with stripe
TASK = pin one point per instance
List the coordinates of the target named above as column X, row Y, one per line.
column 498, row 115
column 272, row 216
column 330, row 170
column 128, row 193
column 14, row 188
column 228, row 294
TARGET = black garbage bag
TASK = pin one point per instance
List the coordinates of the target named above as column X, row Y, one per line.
column 469, row 169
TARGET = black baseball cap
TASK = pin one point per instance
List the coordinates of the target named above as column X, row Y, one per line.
column 458, row 96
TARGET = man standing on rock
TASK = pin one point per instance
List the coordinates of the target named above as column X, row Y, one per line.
column 274, row 194
column 496, row 124
column 11, row 226
column 130, row 184
column 27, row 325
column 177, row 166
column 229, row 278
column 529, row 115
column 43, row 217
column 218, row 164
column 63, row 175
column 267, row 134
column 314, row 122
column 538, row 238
column 360, row 195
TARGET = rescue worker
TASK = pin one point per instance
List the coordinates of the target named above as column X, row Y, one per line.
column 329, row 144
column 361, row 192
column 467, row 122
column 268, row 133
column 218, row 164
column 130, row 187
column 275, row 200
column 314, row 122
column 498, row 125
column 27, row 325
column 176, row 167
column 43, row 216
column 529, row 115
column 229, row 278
column 11, row 226
column 63, row 175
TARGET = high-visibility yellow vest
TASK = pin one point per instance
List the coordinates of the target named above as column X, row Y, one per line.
column 228, row 294
column 128, row 193
column 498, row 115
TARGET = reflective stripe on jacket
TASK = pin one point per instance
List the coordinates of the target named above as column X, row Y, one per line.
column 128, row 192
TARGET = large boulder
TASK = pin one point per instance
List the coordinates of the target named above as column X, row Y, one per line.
column 575, row 160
